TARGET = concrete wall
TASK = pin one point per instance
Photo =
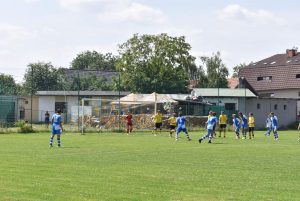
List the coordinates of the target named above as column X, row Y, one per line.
column 285, row 116
column 46, row 103
column 286, row 93
column 35, row 109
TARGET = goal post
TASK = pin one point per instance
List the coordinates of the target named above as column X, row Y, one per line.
column 98, row 115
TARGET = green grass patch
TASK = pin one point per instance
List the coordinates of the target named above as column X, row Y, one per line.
column 114, row 166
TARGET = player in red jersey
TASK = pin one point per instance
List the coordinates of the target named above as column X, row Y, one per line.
column 129, row 122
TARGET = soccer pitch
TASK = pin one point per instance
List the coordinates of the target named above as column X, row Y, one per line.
column 111, row 166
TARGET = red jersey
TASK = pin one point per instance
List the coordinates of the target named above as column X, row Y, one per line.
column 129, row 119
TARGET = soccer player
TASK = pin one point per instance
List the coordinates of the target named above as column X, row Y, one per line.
column 181, row 126
column 47, row 119
column 210, row 114
column 236, row 124
column 222, row 123
column 274, row 121
column 211, row 122
column 251, row 125
column 244, row 124
column 157, row 118
column 129, row 124
column 268, row 125
column 172, row 121
column 56, row 127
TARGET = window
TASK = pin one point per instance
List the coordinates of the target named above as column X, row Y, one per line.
column 60, row 105
column 299, row 93
column 258, row 106
column 298, row 76
column 284, row 107
column 266, row 78
column 26, row 102
column 229, row 106
column 275, row 107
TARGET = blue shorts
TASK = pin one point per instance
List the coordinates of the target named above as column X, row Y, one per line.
column 55, row 130
column 179, row 129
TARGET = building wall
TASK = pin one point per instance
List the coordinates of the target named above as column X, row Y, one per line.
column 35, row 109
column 46, row 103
column 286, row 93
column 285, row 116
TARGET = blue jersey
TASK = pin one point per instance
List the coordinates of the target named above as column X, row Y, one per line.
column 236, row 122
column 56, row 119
column 244, row 121
column 274, row 121
column 211, row 122
column 181, row 122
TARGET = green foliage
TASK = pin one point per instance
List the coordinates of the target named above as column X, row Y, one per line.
column 24, row 127
column 158, row 63
column 217, row 72
column 110, row 166
column 93, row 60
column 237, row 69
column 8, row 85
column 41, row 77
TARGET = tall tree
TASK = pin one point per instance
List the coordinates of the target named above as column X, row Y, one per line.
column 158, row 63
column 41, row 77
column 8, row 85
column 217, row 72
column 237, row 69
column 93, row 60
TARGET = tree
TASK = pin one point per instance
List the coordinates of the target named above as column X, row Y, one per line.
column 237, row 69
column 158, row 63
column 92, row 60
column 217, row 72
column 8, row 85
column 41, row 77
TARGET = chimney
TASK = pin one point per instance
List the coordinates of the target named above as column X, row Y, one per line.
column 291, row 52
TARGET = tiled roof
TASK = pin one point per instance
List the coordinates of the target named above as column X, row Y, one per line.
column 281, row 68
column 233, row 82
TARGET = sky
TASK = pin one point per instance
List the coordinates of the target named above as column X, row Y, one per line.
column 57, row 30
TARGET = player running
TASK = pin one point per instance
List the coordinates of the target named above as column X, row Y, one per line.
column 274, row 121
column 251, row 125
column 244, row 124
column 129, row 124
column 56, row 127
column 181, row 126
column 211, row 122
column 237, row 125
column 222, row 123
column 172, row 121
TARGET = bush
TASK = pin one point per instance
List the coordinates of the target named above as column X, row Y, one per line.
column 24, row 127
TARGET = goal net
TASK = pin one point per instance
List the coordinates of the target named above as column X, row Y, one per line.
column 96, row 115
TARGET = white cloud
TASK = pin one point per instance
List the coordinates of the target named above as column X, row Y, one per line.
column 30, row 1
column 134, row 12
column 12, row 35
column 236, row 12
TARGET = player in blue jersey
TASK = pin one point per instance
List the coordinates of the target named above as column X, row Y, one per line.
column 244, row 121
column 56, row 122
column 237, row 125
column 274, row 121
column 211, row 122
column 181, row 126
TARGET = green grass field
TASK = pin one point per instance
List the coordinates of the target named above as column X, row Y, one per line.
column 143, row 167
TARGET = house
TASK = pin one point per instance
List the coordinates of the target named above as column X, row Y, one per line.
column 245, row 101
column 68, row 101
column 275, row 77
